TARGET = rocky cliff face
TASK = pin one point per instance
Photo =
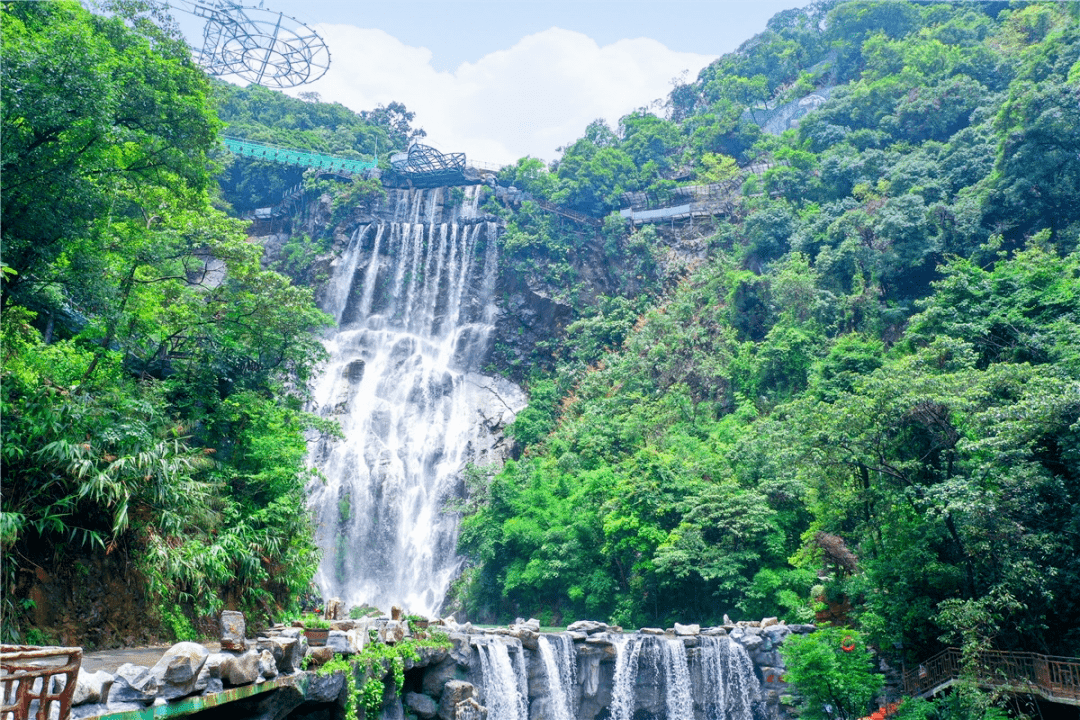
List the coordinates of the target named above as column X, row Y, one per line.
column 535, row 301
column 433, row 312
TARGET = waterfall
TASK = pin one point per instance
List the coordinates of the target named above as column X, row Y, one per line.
column 731, row 690
column 560, row 662
column 627, row 650
column 680, row 704
column 653, row 676
column 413, row 297
column 342, row 282
column 504, row 688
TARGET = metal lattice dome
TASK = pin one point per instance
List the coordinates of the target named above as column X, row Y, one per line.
column 256, row 45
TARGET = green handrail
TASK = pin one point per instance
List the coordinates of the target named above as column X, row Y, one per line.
column 289, row 156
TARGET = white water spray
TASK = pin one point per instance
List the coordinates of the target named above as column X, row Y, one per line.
column 414, row 301
column 680, row 703
column 731, row 689
column 504, row 689
column 557, row 653
column 627, row 650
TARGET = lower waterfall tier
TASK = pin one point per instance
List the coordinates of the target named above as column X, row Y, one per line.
column 591, row 672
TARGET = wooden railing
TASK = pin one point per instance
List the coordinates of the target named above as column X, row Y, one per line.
column 37, row 682
column 1054, row 678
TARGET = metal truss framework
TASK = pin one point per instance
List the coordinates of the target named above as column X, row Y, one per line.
column 256, row 45
column 423, row 164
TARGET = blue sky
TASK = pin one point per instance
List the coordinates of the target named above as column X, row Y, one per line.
column 503, row 79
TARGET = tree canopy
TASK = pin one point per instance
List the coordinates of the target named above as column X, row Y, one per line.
column 867, row 395
column 153, row 370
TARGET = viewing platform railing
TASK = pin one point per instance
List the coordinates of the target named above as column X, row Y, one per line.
column 1053, row 678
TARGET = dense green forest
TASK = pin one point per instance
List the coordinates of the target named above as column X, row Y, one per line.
column 153, row 370
column 869, row 395
column 865, row 401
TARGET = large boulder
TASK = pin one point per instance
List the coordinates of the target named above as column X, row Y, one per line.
column 692, row 629
column 267, row 643
column 421, row 705
column 394, row 632
column 456, row 691
column 233, row 630
column 777, row 633
column 530, row 639
column 462, row 651
column 358, row 639
column 427, row 656
column 267, row 666
column 766, row 659
column 603, row 641
column 91, row 687
column 207, row 684
column 210, row 681
column 319, row 656
column 241, row 669
column 325, row 688
column 287, row 653
column 752, row 643
column 213, row 664
column 133, row 684
column 436, row 676
column 338, row 641
column 178, row 669
column 589, row 627
column 335, row 609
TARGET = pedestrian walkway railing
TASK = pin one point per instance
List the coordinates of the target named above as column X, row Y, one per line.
column 1051, row 677
column 292, row 156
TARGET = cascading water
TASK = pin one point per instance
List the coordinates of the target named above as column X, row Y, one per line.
column 413, row 297
column 627, row 650
column 726, row 687
column 731, row 690
column 560, row 662
column 504, row 689
column 680, row 704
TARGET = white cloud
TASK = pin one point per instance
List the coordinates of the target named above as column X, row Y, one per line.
column 526, row 100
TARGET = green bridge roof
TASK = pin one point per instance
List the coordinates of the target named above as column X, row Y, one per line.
column 289, row 156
